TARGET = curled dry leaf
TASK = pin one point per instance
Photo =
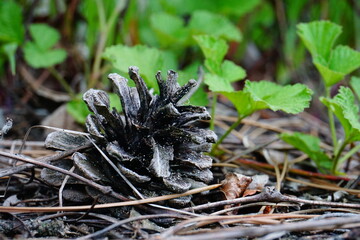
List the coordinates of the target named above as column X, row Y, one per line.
column 234, row 185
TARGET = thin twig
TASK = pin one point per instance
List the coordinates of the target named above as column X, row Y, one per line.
column 205, row 220
column 237, row 232
column 251, row 205
column 61, row 189
column 271, row 195
column 108, row 205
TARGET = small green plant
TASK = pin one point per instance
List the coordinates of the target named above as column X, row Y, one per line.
column 255, row 95
column 40, row 52
column 333, row 64
column 220, row 73
column 267, row 95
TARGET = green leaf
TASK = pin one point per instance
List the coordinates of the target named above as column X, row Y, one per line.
column 38, row 53
column 347, row 111
column 38, row 58
column 214, row 50
column 330, row 77
column 10, row 50
column 311, row 146
column 11, row 22
column 232, row 72
column 290, row 99
column 217, row 83
column 79, row 110
column 149, row 61
column 343, row 60
column 229, row 72
column 355, row 85
column 169, row 60
column 204, row 22
column 200, row 97
column 243, row 102
column 319, row 37
column 268, row 95
column 44, row 36
column 170, row 29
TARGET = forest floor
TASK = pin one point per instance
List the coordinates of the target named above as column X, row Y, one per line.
column 262, row 188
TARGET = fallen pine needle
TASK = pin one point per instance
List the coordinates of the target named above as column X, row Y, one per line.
column 107, row 205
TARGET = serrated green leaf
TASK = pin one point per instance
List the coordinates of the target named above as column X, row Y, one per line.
column 290, row 99
column 38, row 58
column 148, row 60
column 204, row 22
column 38, row 53
column 311, row 146
column 214, row 50
column 330, row 77
column 355, row 85
column 221, row 73
column 232, row 72
column 347, row 111
column 10, row 50
column 217, row 83
column 11, row 22
column 170, row 29
column 344, row 59
column 319, row 37
column 243, row 102
column 264, row 94
column 213, row 67
column 44, row 36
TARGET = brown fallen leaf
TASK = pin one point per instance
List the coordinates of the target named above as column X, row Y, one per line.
column 233, row 186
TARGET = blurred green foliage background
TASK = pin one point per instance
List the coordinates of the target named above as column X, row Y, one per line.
column 52, row 51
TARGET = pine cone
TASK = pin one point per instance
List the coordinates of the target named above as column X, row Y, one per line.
column 155, row 143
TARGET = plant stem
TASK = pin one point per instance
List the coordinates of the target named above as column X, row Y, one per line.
column 232, row 127
column 62, row 81
column 105, row 28
column 337, row 154
column 346, row 156
column 331, row 121
column 213, row 110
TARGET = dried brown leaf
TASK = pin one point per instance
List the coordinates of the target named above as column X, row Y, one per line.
column 234, row 186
